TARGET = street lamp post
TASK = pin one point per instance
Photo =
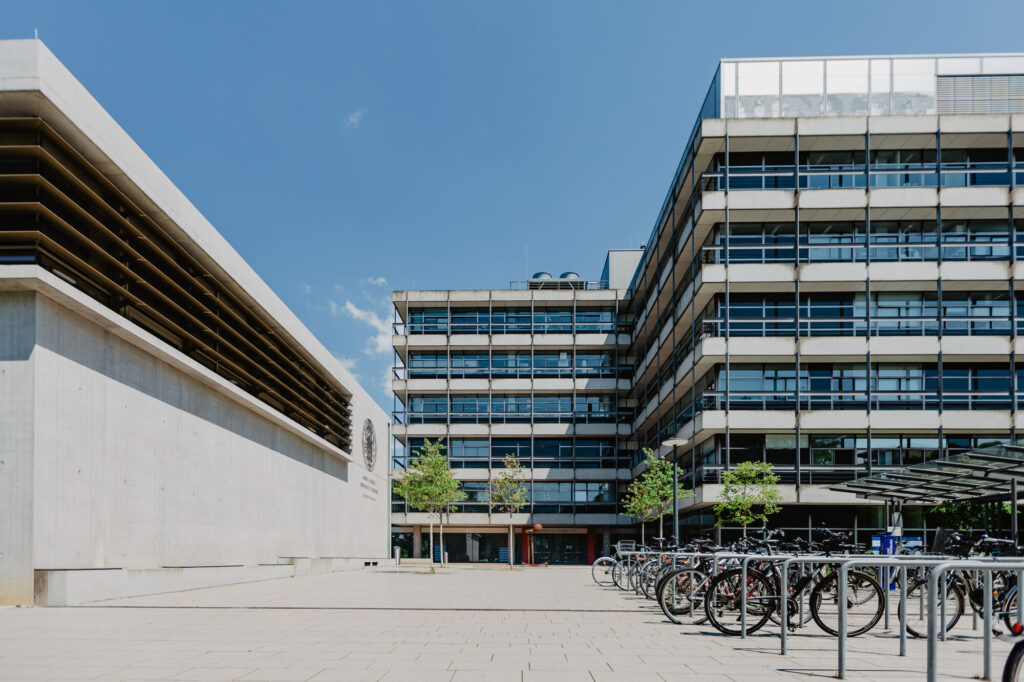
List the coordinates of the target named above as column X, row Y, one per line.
column 675, row 443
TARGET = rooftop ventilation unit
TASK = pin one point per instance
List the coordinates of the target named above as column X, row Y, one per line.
column 567, row 280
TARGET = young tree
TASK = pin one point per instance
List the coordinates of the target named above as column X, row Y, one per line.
column 429, row 485
column 506, row 492
column 649, row 497
column 749, row 493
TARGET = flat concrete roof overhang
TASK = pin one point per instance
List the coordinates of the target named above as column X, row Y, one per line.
column 33, row 83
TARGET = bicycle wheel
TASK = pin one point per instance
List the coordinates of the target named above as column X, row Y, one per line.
column 601, row 571
column 647, row 576
column 1008, row 608
column 917, row 608
column 681, row 596
column 619, row 576
column 864, row 603
column 723, row 602
column 1014, row 667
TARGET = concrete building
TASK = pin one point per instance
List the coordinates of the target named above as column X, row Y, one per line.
column 538, row 371
column 165, row 421
column 830, row 285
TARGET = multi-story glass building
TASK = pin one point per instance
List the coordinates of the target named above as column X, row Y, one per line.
column 830, row 285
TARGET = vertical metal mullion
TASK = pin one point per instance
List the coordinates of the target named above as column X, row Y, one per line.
column 693, row 332
column 867, row 299
column 1013, row 390
column 1012, row 237
column 867, row 366
column 796, row 300
column 448, row 360
column 725, row 260
column 943, row 451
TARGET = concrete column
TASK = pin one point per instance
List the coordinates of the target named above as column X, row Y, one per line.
column 606, row 542
column 17, row 447
column 417, row 542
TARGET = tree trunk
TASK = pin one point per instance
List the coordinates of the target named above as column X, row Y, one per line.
column 431, row 543
column 661, row 525
column 744, row 530
column 440, row 536
column 643, row 528
column 511, row 544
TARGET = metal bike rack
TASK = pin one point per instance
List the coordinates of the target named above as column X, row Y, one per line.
column 900, row 562
column 986, row 567
column 940, row 565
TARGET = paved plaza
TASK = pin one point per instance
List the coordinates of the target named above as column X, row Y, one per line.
column 465, row 623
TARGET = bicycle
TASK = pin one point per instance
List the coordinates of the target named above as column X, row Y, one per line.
column 724, row 597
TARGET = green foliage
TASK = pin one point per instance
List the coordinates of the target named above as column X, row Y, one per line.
column 649, row 496
column 963, row 514
column 428, row 484
column 749, row 494
column 507, row 491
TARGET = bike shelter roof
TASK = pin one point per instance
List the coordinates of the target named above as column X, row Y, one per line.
column 986, row 474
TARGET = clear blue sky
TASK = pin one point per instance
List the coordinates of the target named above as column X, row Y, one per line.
column 430, row 144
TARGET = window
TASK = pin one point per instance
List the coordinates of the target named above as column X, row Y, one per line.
column 510, row 321
column 468, row 453
column 428, row 365
column 469, row 364
column 595, row 320
column 552, row 321
column 552, row 364
column 428, row 321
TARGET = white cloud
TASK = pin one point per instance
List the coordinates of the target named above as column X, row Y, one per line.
column 380, row 342
column 376, row 281
column 348, row 363
column 386, row 380
column 305, row 287
column 355, row 118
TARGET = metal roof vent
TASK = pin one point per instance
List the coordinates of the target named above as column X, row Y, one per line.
column 541, row 275
column 570, row 275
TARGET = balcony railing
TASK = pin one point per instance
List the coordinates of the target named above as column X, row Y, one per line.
column 855, row 400
column 973, row 325
column 619, row 372
column 849, row 252
column 484, row 327
column 853, row 176
column 451, row 417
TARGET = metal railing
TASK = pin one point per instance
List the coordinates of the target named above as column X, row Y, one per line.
column 572, row 417
column 620, row 372
column 445, row 328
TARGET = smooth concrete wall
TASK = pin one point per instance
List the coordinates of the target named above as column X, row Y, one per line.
column 121, row 460
column 17, row 337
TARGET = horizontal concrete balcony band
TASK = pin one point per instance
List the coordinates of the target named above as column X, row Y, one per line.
column 843, row 421
column 506, row 297
column 885, row 129
column 707, row 494
column 748, row 202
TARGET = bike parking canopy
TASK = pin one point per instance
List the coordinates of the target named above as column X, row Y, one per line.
column 985, row 475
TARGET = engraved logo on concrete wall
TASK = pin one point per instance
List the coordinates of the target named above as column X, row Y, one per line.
column 369, row 445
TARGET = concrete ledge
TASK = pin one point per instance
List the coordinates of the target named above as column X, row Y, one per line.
column 63, row 587
column 68, row 587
